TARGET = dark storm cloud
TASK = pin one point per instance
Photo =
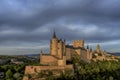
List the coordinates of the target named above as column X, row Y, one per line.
column 34, row 20
column 88, row 33
column 24, row 16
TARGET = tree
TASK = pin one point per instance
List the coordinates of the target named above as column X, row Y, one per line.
column 9, row 74
column 4, row 67
column 16, row 75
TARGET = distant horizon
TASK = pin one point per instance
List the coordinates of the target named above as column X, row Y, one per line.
column 46, row 50
column 116, row 53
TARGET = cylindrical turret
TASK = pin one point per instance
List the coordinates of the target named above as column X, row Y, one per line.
column 54, row 47
column 88, row 52
column 60, row 49
column 64, row 48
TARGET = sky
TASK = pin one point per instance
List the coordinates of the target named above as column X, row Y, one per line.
column 26, row 26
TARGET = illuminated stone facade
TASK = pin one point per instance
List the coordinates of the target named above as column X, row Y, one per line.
column 60, row 52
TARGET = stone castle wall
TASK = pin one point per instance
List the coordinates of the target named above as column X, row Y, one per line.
column 83, row 55
column 78, row 51
column 34, row 69
column 69, row 53
column 48, row 60
column 61, row 62
column 37, row 69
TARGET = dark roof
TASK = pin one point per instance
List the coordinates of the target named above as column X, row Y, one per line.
column 79, row 48
column 69, row 46
column 54, row 35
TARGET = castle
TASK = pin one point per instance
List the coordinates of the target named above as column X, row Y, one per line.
column 60, row 53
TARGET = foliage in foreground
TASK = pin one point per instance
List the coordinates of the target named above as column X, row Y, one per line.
column 12, row 72
column 100, row 70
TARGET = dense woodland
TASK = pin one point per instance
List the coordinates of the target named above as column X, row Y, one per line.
column 100, row 70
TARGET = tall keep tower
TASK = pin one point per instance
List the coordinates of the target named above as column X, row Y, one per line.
column 57, row 47
column 53, row 45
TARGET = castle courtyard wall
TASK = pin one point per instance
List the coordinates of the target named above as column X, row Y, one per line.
column 37, row 69
column 48, row 60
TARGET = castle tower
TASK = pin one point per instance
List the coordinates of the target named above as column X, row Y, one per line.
column 104, row 53
column 88, row 52
column 91, row 52
column 60, row 49
column 64, row 48
column 53, row 45
column 78, row 43
column 98, row 50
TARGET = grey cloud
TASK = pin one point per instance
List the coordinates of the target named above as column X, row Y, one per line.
column 33, row 17
column 90, row 11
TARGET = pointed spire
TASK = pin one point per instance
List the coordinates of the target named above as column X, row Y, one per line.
column 60, row 39
column 54, row 35
column 41, row 52
column 90, row 49
column 50, row 41
column 98, row 46
column 87, row 47
column 64, row 40
column 98, row 49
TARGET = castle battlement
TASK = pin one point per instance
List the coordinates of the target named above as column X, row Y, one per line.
column 78, row 40
column 78, row 43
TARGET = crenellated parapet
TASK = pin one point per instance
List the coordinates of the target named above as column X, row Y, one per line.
column 78, row 43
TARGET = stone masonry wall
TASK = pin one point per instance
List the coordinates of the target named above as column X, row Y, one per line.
column 48, row 59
